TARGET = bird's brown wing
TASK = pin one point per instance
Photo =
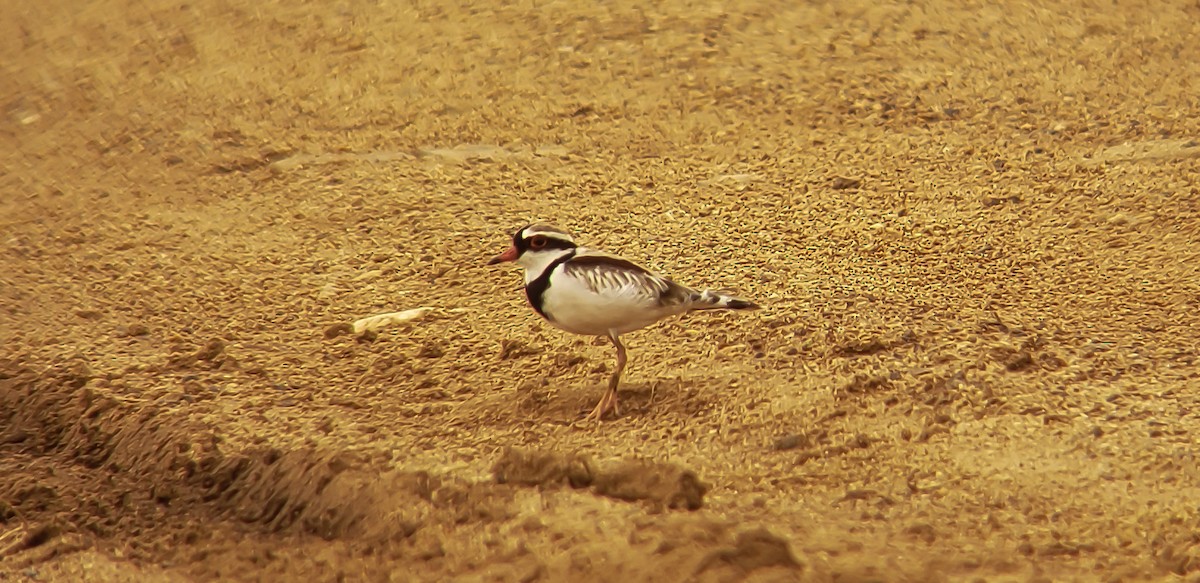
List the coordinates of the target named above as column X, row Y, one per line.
column 610, row 275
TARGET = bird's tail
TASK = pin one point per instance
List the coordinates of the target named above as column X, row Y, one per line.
column 715, row 300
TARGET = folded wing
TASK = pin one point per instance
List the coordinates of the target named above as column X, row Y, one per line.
column 615, row 277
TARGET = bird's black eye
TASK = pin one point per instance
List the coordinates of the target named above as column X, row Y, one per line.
column 537, row 242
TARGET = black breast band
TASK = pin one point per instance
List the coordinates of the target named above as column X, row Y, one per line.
column 536, row 289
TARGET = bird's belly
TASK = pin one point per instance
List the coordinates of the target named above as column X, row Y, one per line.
column 582, row 311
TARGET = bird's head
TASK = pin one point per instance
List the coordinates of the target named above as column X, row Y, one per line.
column 536, row 245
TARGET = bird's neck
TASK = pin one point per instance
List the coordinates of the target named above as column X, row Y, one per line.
column 536, row 263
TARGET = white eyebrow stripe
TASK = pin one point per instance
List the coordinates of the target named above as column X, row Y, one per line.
column 547, row 231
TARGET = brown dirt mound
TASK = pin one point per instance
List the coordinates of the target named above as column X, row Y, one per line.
column 154, row 458
column 661, row 485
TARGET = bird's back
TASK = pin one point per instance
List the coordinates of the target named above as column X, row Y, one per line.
column 599, row 293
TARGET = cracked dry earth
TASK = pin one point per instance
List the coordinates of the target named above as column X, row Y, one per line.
column 973, row 227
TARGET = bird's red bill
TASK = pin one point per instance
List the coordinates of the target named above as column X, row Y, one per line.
column 510, row 255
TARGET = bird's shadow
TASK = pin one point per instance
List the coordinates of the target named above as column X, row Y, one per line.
column 568, row 403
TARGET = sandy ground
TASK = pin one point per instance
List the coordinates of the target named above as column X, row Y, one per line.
column 973, row 226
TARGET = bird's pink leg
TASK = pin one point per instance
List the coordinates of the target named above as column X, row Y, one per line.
column 609, row 401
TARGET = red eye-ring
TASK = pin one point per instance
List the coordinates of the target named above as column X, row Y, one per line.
column 537, row 242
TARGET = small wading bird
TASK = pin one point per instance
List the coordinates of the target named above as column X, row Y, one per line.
column 589, row 292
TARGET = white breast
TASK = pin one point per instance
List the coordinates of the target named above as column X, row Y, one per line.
column 572, row 305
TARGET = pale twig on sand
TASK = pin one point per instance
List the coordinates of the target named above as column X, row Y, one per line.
column 372, row 323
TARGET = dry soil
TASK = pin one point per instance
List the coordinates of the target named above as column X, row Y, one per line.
column 973, row 227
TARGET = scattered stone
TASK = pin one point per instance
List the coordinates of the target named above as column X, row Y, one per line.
column 859, row 495
column 514, row 349
column 468, row 152
column 860, row 347
column 836, row 413
column 132, row 330
column 368, row 275
column 843, row 183
column 922, row 531
column 14, row 435
column 163, row 493
column 553, row 152
column 990, row 201
column 293, row 162
column 755, row 549
column 791, row 442
column 334, row 330
column 212, row 350
column 541, row 468
column 347, row 402
column 663, row 485
column 1019, row 361
column 40, row 535
column 1147, row 150
column 431, row 350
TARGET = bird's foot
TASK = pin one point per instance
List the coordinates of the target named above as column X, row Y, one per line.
column 607, row 403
